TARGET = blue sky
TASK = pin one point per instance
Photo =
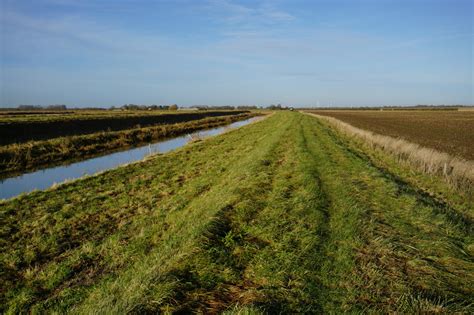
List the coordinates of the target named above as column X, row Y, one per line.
column 232, row 52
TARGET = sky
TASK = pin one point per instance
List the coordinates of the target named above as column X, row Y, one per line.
column 236, row 52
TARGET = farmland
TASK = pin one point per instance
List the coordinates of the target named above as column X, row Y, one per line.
column 443, row 130
column 18, row 127
column 284, row 215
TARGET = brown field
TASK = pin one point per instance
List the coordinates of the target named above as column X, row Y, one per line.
column 447, row 131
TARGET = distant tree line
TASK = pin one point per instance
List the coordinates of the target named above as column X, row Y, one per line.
column 393, row 107
column 242, row 107
column 41, row 107
column 206, row 107
column 147, row 107
column 278, row 107
column 158, row 107
column 225, row 107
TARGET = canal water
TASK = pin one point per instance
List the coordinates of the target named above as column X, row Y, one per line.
column 45, row 178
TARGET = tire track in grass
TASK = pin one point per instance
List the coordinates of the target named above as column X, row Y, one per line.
column 324, row 203
column 391, row 237
column 354, row 284
column 421, row 268
column 455, row 218
column 287, row 270
column 295, row 226
column 265, row 250
column 423, row 198
column 336, row 265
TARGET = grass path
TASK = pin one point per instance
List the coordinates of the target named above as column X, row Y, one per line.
column 284, row 215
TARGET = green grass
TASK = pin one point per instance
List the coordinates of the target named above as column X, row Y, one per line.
column 284, row 215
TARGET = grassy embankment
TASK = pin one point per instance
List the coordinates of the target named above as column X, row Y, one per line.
column 455, row 170
column 22, row 128
column 285, row 215
column 30, row 155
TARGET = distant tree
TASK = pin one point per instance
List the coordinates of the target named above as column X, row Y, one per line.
column 200, row 107
column 173, row 107
column 29, row 107
column 225, row 107
column 243, row 107
column 56, row 107
column 276, row 107
column 130, row 107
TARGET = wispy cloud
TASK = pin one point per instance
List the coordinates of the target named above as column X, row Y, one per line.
column 74, row 3
column 77, row 32
column 428, row 39
column 262, row 12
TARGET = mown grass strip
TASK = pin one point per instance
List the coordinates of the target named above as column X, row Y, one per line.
column 31, row 155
